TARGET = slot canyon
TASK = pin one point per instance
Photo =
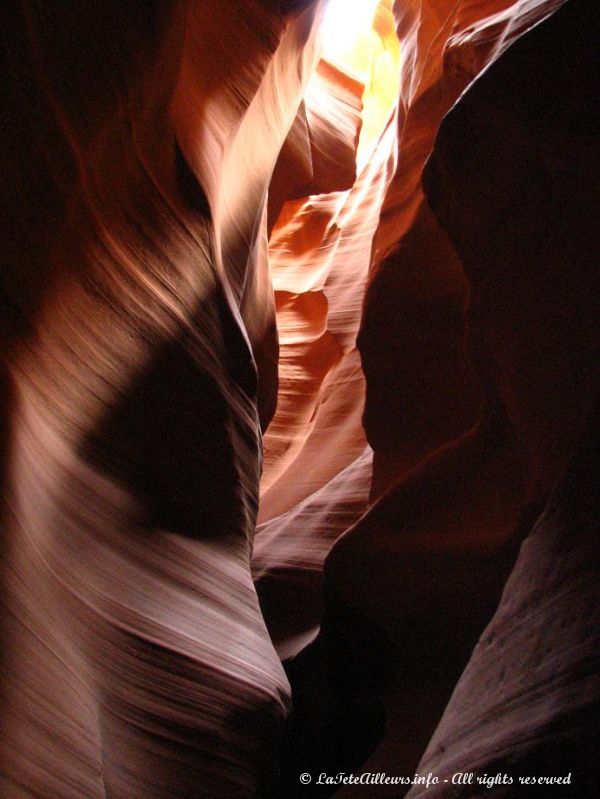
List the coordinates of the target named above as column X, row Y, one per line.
column 300, row 399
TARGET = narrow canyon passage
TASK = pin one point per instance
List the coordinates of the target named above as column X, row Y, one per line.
column 300, row 345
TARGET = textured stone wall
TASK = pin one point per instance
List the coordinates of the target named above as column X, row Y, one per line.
column 204, row 282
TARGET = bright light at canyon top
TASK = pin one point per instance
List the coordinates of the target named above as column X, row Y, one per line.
column 345, row 26
column 359, row 38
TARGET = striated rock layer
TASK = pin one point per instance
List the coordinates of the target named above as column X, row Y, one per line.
column 317, row 471
column 210, row 234
column 472, row 406
column 510, row 183
column 527, row 703
column 139, row 141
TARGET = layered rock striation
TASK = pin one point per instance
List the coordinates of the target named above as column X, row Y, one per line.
column 364, row 293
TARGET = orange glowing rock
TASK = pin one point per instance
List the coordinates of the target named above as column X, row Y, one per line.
column 222, row 283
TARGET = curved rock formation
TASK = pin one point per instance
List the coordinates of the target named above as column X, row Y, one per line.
column 317, row 473
column 463, row 491
column 527, row 702
column 138, row 663
column 363, row 287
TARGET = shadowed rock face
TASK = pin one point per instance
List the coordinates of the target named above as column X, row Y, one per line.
column 206, row 281
column 140, row 324
column 527, row 701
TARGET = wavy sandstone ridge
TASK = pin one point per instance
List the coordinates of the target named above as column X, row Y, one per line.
column 137, row 660
column 359, row 282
